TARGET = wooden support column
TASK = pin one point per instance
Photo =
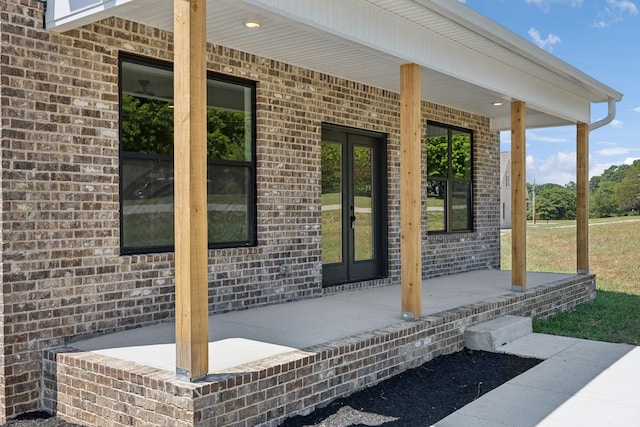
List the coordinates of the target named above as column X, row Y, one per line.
column 410, row 192
column 518, row 197
column 582, row 197
column 190, row 163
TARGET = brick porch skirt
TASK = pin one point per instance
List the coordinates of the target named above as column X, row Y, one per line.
column 95, row 390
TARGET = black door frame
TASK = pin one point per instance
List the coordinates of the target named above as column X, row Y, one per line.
column 350, row 270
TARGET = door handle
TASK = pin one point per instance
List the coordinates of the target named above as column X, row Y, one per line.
column 353, row 222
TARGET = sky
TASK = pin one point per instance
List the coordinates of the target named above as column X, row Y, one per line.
column 600, row 38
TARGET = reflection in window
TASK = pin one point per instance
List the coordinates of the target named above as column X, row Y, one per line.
column 331, row 202
column 146, row 159
column 449, row 196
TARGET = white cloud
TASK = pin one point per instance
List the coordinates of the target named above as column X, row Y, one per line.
column 617, row 123
column 546, row 43
column 533, row 136
column 615, row 11
column 546, row 4
column 637, row 109
column 616, row 151
column 630, row 160
column 559, row 168
column 530, row 162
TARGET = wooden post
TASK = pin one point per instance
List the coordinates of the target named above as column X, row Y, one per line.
column 518, row 197
column 410, row 192
column 190, row 181
column 582, row 197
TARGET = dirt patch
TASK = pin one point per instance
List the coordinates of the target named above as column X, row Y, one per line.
column 420, row 396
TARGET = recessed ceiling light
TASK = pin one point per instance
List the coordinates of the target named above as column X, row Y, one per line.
column 252, row 24
column 496, row 104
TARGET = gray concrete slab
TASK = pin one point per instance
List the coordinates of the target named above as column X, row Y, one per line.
column 495, row 333
column 514, row 405
column 457, row 419
column 538, row 346
column 581, row 383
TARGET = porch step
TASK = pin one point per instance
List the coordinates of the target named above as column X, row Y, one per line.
column 490, row 335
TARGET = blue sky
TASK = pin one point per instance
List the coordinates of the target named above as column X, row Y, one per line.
column 600, row 38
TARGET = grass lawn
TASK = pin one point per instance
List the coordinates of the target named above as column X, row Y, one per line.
column 615, row 259
column 332, row 230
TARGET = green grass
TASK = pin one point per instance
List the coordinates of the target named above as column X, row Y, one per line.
column 157, row 229
column 614, row 316
column 332, row 232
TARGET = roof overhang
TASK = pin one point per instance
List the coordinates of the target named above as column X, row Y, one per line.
column 468, row 62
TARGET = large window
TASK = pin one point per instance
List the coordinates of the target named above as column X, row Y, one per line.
column 146, row 158
column 449, row 164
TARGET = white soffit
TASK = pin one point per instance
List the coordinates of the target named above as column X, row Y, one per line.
column 467, row 61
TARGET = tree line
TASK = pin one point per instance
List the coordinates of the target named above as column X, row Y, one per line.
column 614, row 193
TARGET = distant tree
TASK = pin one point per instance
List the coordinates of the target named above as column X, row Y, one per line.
column 147, row 125
column 226, row 134
column 555, row 202
column 615, row 173
column 605, row 191
column 603, row 202
column 627, row 191
column 331, row 168
column 571, row 186
column 548, row 186
column 438, row 156
column 594, row 183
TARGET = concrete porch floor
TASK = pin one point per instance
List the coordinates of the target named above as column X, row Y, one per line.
column 246, row 336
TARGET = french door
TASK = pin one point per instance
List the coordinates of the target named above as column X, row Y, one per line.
column 353, row 206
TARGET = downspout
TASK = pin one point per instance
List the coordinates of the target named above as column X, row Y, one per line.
column 610, row 116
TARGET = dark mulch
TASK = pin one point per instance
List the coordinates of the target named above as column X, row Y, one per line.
column 421, row 396
column 417, row 397
column 39, row 419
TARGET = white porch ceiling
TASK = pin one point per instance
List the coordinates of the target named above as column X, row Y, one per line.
column 467, row 61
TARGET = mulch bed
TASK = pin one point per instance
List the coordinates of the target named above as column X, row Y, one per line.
column 421, row 396
column 417, row 397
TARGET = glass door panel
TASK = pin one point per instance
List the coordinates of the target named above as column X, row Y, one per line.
column 332, row 206
column 362, row 223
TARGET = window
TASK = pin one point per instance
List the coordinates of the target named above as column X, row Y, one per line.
column 449, row 196
column 146, row 158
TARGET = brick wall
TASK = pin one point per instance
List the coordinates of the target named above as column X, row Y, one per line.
column 62, row 273
column 92, row 389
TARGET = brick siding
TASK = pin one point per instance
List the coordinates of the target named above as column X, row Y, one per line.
column 62, row 272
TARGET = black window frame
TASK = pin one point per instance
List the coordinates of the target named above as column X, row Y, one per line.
column 451, row 180
column 249, row 166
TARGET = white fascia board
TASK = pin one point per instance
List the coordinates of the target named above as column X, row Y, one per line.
column 378, row 29
column 63, row 15
column 490, row 30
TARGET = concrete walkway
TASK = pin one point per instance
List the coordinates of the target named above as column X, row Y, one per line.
column 581, row 383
